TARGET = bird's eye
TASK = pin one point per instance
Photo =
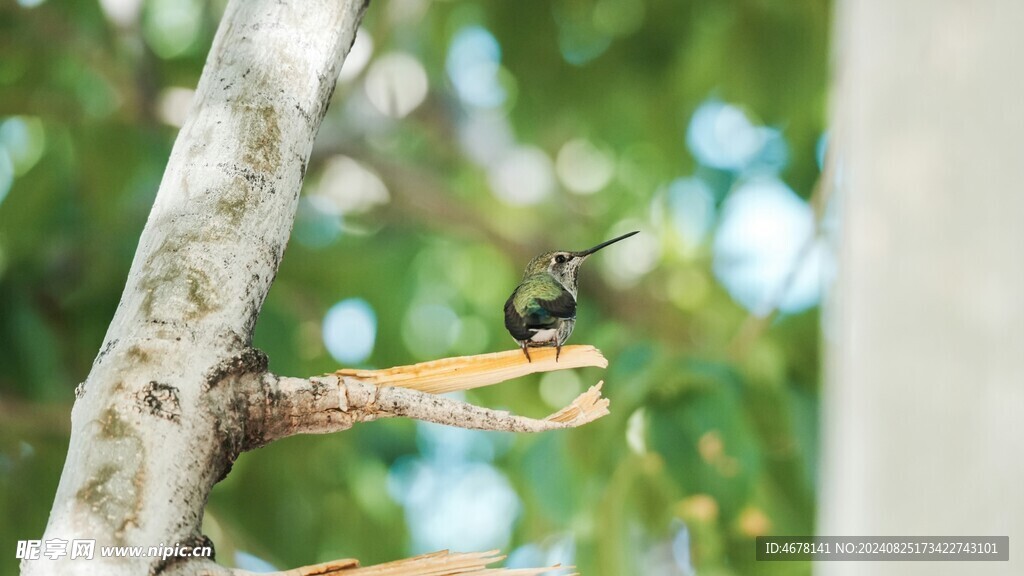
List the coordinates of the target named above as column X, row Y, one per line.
column 560, row 259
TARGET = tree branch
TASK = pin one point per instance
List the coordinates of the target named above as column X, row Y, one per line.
column 283, row 406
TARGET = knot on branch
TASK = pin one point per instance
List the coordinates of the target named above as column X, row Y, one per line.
column 249, row 361
column 159, row 400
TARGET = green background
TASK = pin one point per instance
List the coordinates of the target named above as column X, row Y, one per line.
column 712, row 439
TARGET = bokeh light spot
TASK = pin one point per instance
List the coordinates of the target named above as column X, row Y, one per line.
column 524, row 176
column 681, row 548
column 820, row 149
column 348, row 187
column 526, row 556
column 559, row 388
column 172, row 26
column 172, row 105
column 469, row 506
column 430, row 330
column 396, row 84
column 486, row 136
column 765, row 227
column 584, row 168
column 559, row 549
column 636, row 431
column 451, row 495
column 699, row 508
column 349, row 330
column 624, row 263
column 358, row 57
column 24, row 140
column 451, row 445
column 472, row 337
column 6, row 174
column 753, row 522
column 721, row 136
column 691, row 204
column 124, row 13
column 474, row 67
column 252, row 563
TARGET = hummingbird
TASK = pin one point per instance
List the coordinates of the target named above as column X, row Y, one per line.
column 542, row 310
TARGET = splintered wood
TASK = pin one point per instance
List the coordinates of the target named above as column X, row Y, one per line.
column 466, row 372
column 587, row 407
column 442, row 563
column 326, row 568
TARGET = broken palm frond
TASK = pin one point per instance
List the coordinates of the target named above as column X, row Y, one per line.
column 441, row 563
column 587, row 407
column 467, row 372
column 343, row 566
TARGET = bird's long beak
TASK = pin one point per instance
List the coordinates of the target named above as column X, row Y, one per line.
column 588, row 252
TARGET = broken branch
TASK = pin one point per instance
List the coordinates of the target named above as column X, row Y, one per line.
column 288, row 406
column 326, row 404
column 467, row 372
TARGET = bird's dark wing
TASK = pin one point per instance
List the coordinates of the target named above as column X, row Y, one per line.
column 532, row 308
column 561, row 306
column 515, row 322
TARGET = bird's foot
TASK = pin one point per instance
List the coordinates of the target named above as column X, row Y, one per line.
column 526, row 351
column 558, row 351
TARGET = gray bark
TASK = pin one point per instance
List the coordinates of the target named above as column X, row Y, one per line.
column 157, row 422
column 925, row 335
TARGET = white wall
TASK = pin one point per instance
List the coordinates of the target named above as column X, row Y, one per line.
column 923, row 415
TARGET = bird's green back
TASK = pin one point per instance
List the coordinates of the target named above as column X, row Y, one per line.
column 534, row 288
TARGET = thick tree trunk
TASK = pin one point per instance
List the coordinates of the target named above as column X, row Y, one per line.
column 156, row 423
column 176, row 392
column 925, row 338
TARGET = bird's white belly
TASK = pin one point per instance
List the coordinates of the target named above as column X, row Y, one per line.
column 544, row 335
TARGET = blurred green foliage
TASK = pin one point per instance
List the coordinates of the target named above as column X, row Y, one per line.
column 708, row 443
